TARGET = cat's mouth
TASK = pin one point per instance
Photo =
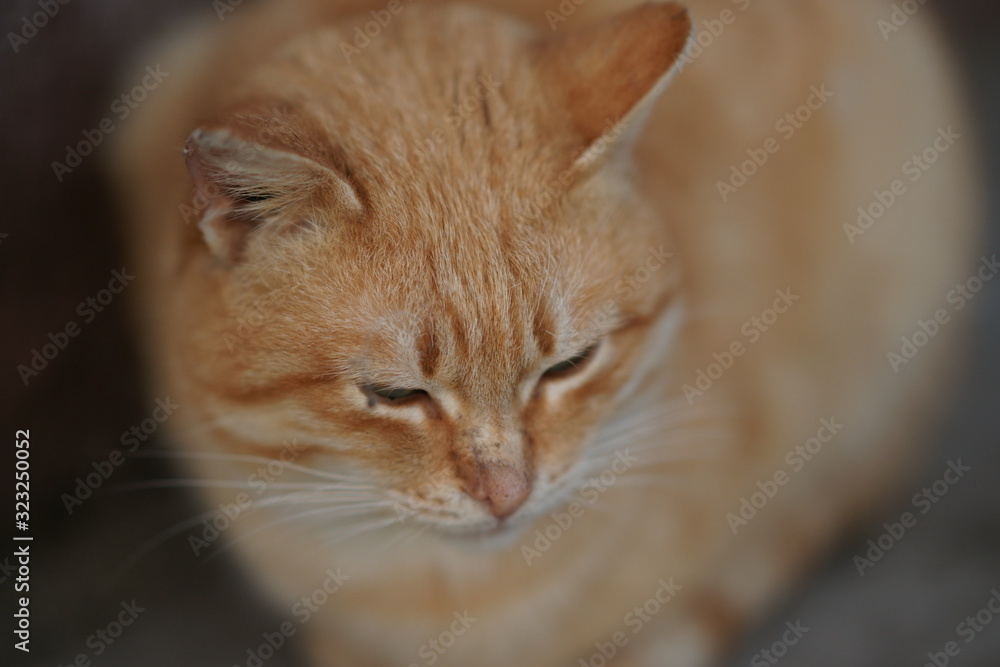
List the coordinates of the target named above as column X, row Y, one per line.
column 494, row 538
column 470, row 530
column 491, row 533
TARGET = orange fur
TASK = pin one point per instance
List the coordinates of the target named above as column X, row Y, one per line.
column 462, row 206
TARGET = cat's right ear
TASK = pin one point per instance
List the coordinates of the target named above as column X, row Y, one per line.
column 244, row 188
column 607, row 75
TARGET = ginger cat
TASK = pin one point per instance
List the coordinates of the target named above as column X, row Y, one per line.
column 550, row 360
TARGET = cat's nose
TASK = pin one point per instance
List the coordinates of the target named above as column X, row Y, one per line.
column 503, row 487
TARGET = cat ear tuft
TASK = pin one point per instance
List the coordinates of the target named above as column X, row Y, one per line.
column 609, row 73
column 241, row 187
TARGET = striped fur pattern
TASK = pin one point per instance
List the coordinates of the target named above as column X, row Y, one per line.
column 448, row 286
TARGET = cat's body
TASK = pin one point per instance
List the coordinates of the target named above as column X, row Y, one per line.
column 467, row 232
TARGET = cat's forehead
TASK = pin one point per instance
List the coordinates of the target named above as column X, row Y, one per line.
column 473, row 279
column 476, row 242
column 443, row 127
column 450, row 92
column 462, row 310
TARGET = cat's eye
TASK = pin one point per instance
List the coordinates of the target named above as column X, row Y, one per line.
column 392, row 394
column 571, row 365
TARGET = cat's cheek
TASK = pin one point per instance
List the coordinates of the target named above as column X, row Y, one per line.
column 257, row 484
column 590, row 494
column 623, row 291
column 413, row 414
column 559, row 436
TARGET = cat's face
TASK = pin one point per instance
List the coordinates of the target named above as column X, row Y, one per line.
column 444, row 285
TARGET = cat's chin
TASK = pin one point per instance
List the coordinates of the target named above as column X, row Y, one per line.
column 500, row 538
column 494, row 536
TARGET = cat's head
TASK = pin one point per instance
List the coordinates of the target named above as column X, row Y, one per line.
column 425, row 258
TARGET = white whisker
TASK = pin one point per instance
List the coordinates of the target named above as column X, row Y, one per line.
column 346, row 509
column 246, row 458
column 228, row 484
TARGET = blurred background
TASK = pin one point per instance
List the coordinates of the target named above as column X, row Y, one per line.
column 58, row 246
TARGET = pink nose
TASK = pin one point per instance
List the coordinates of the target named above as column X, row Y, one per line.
column 503, row 487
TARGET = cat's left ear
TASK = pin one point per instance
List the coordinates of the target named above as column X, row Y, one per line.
column 245, row 188
column 607, row 75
